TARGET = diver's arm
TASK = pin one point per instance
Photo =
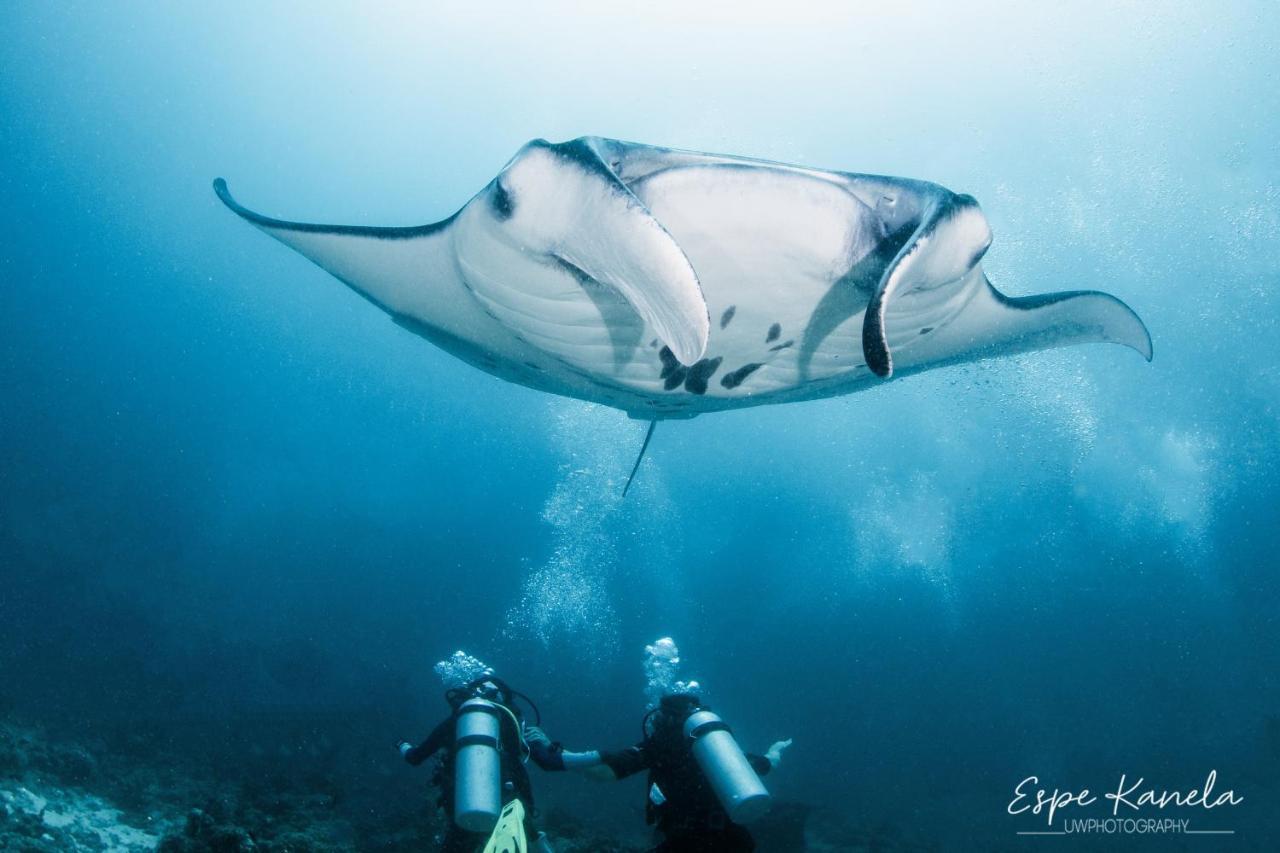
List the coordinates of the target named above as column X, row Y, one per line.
column 581, row 760
column 627, row 761
column 437, row 740
column 762, row 764
column 553, row 756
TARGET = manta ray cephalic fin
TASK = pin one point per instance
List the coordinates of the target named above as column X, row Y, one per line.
column 952, row 237
column 565, row 202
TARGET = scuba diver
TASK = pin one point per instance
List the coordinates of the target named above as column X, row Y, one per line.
column 702, row 787
column 484, row 786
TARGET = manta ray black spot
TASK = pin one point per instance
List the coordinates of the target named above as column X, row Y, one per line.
column 782, row 346
column 775, row 332
column 669, row 365
column 736, row 378
column 727, row 315
column 926, row 330
column 676, row 377
column 696, row 382
column 501, row 202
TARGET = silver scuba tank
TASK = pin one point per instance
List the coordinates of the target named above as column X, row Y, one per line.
column 477, row 767
column 732, row 778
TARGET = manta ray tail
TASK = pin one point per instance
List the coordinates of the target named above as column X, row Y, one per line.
column 636, row 467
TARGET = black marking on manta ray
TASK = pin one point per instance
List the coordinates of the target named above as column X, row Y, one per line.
column 775, row 332
column 784, row 345
column 736, row 378
column 1040, row 300
column 727, row 315
column 376, row 232
column 851, row 292
column 675, row 378
column 531, row 364
column 926, row 330
column 501, row 202
column 669, row 365
column 581, row 152
column 696, row 382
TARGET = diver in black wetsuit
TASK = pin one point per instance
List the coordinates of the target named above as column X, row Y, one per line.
column 518, row 741
column 681, row 803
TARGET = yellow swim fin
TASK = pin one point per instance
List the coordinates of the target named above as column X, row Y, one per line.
column 508, row 835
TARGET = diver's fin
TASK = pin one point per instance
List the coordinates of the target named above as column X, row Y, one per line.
column 952, row 237
column 508, row 836
column 636, row 467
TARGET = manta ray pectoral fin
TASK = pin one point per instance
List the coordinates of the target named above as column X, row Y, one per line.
column 951, row 238
column 995, row 324
column 385, row 265
column 569, row 202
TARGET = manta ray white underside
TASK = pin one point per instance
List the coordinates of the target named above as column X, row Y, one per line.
column 670, row 283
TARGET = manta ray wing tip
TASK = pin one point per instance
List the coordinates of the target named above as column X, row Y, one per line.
column 223, row 193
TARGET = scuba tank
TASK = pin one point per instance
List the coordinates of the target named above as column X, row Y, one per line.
column 477, row 793
column 732, row 778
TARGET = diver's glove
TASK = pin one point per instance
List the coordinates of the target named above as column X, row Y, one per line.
column 775, row 752
column 405, row 748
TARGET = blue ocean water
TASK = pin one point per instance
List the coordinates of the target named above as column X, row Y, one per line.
column 243, row 514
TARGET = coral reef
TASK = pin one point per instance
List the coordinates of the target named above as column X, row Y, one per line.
column 49, row 817
column 58, row 795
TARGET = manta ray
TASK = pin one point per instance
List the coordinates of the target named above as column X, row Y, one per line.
column 670, row 283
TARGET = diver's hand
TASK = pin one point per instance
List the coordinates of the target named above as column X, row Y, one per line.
column 404, row 746
column 533, row 734
column 775, row 752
